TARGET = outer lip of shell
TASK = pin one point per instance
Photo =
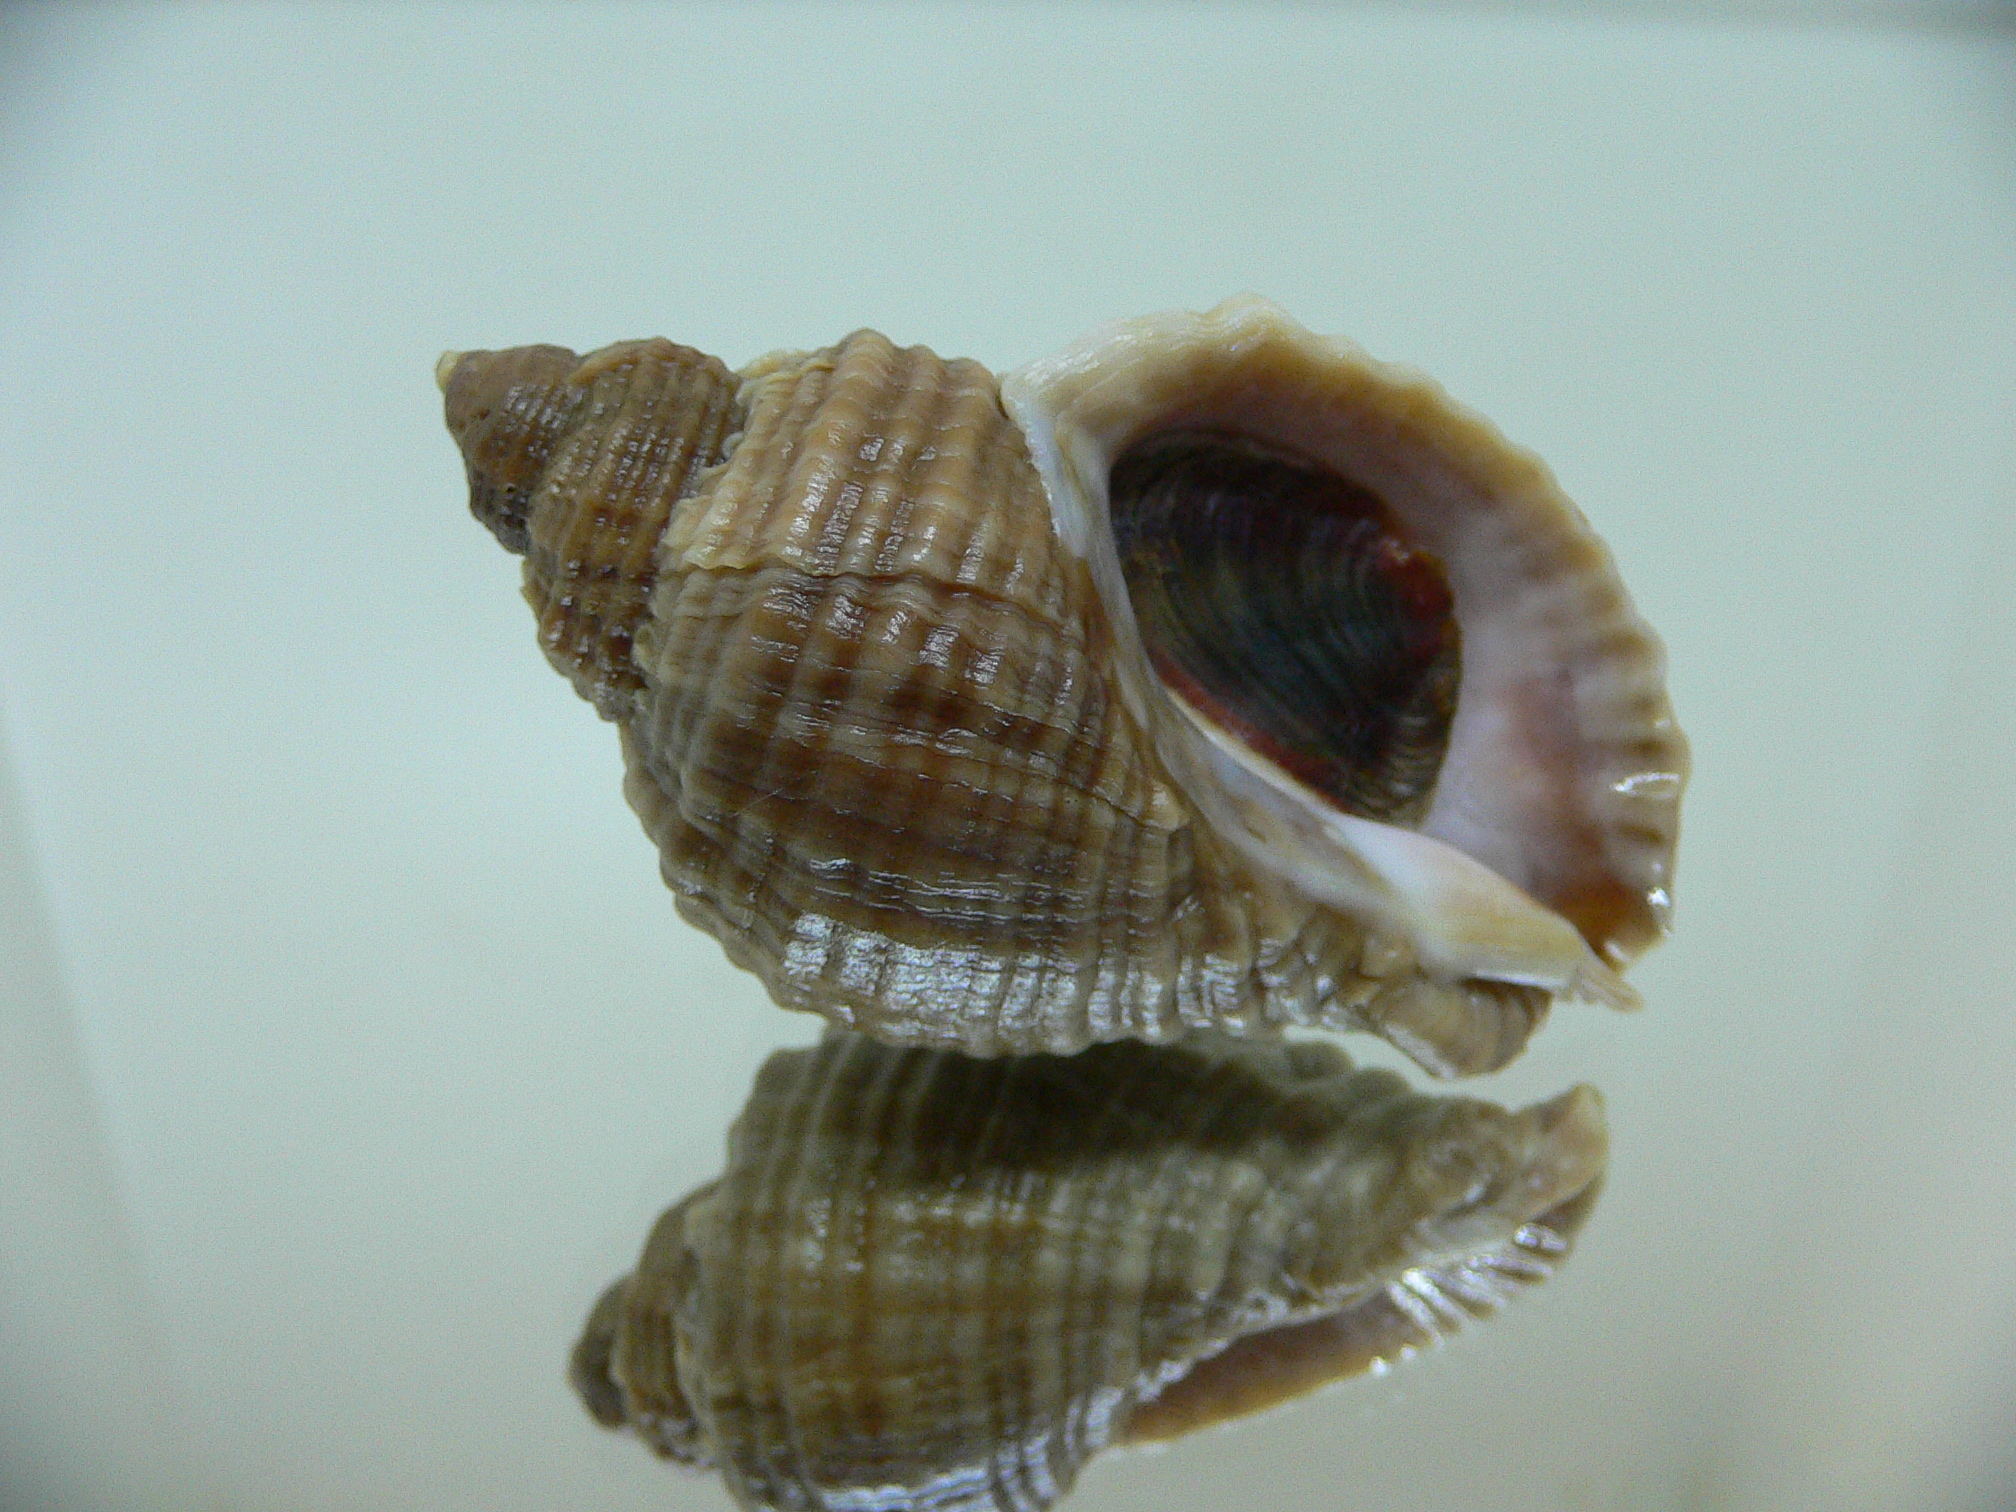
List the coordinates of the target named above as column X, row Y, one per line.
column 1452, row 889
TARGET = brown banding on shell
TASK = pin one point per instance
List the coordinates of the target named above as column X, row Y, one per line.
column 887, row 712
column 575, row 464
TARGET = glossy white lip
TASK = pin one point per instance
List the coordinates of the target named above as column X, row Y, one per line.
column 1550, row 645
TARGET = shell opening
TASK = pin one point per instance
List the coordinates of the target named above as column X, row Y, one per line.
column 1511, row 843
column 1283, row 604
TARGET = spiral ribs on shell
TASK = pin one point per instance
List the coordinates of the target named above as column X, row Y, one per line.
column 909, row 752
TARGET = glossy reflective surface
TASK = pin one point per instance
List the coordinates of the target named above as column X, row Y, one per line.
column 928, row 1281
column 363, row 1049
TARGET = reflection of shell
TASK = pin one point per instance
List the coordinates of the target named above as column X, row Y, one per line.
column 930, row 1281
column 1348, row 723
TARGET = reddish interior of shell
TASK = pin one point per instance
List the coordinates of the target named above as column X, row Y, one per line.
column 1561, row 767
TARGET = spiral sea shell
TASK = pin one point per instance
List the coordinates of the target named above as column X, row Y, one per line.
column 1208, row 675
column 928, row 1281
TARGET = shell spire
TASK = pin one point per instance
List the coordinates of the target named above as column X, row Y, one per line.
column 1206, row 676
column 575, row 463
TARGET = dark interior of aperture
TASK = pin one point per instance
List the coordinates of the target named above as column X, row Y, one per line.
column 1282, row 603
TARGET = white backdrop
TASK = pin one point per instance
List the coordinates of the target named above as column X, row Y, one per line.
column 350, row 1042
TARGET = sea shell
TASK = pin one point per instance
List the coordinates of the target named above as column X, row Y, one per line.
column 929, row 1281
column 1349, row 723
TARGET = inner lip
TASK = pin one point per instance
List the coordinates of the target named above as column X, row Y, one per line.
column 1284, row 604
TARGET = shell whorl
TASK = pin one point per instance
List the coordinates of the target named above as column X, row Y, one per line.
column 887, row 713
column 875, row 745
column 929, row 1281
column 575, row 463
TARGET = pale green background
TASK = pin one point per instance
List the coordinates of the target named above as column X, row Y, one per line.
column 350, row 1042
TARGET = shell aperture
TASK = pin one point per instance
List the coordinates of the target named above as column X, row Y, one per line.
column 1564, row 770
column 925, row 1280
column 1279, row 600
column 915, row 754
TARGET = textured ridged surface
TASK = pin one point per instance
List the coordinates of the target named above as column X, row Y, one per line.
column 901, row 750
column 930, row 1281
column 577, row 463
column 890, row 773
